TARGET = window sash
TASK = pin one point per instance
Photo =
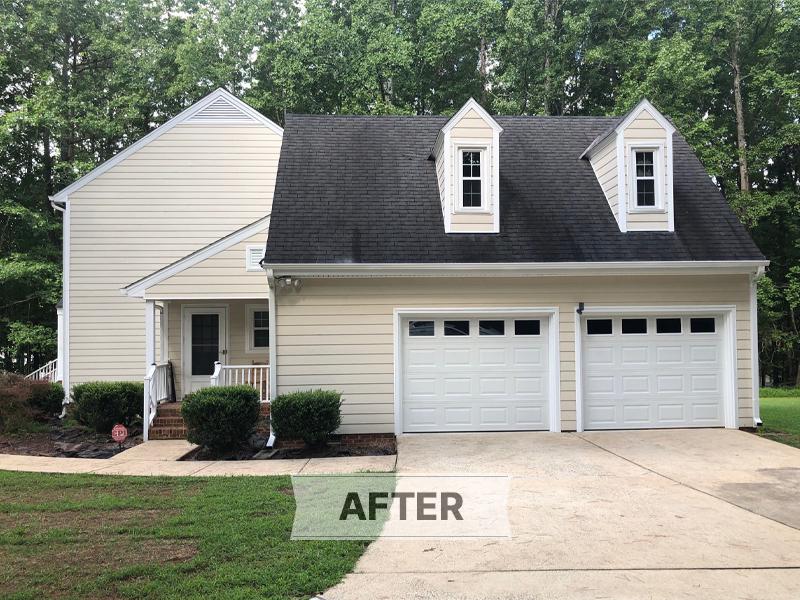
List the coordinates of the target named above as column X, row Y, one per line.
column 649, row 158
column 470, row 198
column 254, row 325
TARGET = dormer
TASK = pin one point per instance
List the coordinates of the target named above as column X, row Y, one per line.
column 633, row 164
column 467, row 154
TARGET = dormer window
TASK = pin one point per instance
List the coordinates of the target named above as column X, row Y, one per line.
column 645, row 176
column 471, row 179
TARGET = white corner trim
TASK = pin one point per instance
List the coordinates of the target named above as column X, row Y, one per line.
column 754, row 366
column 161, row 130
column 67, row 236
column 554, row 381
column 471, row 104
column 578, row 372
column 138, row 288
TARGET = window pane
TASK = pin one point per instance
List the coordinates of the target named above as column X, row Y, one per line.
column 526, row 327
column 456, row 327
column 634, row 325
column 702, row 325
column 261, row 338
column 598, row 326
column 492, row 327
column 645, row 192
column 471, row 164
column 472, row 193
column 672, row 325
column 644, row 164
column 261, row 318
column 205, row 343
column 420, row 328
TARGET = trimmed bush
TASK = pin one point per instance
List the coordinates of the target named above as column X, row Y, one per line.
column 221, row 418
column 16, row 412
column 47, row 398
column 309, row 415
column 100, row 405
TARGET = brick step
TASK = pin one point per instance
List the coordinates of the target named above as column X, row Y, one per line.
column 168, row 421
column 169, row 409
column 167, row 433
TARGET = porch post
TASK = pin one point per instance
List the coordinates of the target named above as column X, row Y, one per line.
column 149, row 359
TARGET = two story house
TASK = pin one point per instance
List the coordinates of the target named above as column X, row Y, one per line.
column 471, row 273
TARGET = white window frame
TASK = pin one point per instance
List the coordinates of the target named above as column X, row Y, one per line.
column 249, row 266
column 483, row 151
column 250, row 310
column 658, row 176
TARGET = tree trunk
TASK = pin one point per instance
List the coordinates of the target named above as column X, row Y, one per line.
column 741, row 140
column 483, row 68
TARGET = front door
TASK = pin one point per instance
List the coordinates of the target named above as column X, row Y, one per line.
column 204, row 344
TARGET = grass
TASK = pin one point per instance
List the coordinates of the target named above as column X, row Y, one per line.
column 781, row 416
column 94, row 536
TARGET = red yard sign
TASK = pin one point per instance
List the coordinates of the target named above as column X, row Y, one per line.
column 119, row 433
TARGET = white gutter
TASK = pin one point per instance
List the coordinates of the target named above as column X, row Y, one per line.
column 515, row 269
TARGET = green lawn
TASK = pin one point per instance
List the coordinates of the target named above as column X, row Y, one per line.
column 94, row 536
column 781, row 417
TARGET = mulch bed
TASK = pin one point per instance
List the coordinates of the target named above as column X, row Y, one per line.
column 68, row 442
column 256, row 450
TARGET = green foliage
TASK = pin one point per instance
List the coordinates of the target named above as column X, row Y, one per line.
column 780, row 392
column 47, row 398
column 100, row 405
column 309, row 415
column 23, row 402
column 221, row 418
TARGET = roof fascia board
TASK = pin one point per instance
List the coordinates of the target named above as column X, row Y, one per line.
column 517, row 269
column 62, row 196
column 138, row 288
column 472, row 104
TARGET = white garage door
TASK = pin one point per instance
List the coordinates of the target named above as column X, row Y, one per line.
column 653, row 371
column 474, row 374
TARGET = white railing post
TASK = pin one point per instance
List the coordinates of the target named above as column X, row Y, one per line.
column 215, row 376
column 148, row 396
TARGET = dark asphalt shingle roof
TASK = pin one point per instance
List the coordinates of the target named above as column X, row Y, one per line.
column 363, row 190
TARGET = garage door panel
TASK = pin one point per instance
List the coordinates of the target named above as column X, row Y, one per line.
column 475, row 382
column 652, row 380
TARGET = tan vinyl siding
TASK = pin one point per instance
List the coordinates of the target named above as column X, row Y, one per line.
column 191, row 186
column 222, row 274
column 339, row 333
column 237, row 335
column 645, row 127
column 472, row 127
column 604, row 164
column 441, row 170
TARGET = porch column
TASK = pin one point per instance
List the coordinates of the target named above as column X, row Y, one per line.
column 149, row 332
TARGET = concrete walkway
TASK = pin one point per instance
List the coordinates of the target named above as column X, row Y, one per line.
column 161, row 458
column 710, row 514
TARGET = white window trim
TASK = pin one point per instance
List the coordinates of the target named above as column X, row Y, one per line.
column 248, row 266
column 250, row 310
column 658, row 150
column 485, row 206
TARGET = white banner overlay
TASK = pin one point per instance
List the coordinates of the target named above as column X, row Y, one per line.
column 367, row 506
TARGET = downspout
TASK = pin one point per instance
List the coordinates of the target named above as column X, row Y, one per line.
column 64, row 209
column 754, row 346
column 273, row 351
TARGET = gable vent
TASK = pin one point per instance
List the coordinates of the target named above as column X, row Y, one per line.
column 221, row 111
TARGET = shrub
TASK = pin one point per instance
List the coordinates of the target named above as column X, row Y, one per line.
column 309, row 415
column 16, row 413
column 221, row 418
column 47, row 398
column 99, row 405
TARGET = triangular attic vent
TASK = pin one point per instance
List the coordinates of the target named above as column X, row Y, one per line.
column 220, row 111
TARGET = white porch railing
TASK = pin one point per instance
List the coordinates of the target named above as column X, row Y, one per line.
column 48, row 372
column 157, row 387
column 256, row 376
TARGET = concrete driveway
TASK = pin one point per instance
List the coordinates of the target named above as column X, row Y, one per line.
column 637, row 514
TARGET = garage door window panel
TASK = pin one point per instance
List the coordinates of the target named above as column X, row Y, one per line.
column 491, row 327
column 599, row 327
column 668, row 325
column 421, row 328
column 456, row 328
column 634, row 326
column 527, row 327
column 702, row 325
